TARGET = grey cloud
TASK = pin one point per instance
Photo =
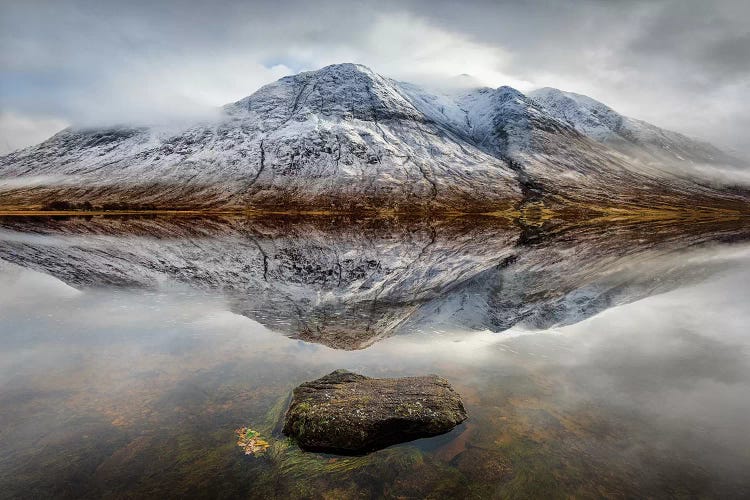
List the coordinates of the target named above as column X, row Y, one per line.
column 706, row 42
column 677, row 63
column 680, row 64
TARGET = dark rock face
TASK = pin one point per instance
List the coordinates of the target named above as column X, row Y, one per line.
column 345, row 412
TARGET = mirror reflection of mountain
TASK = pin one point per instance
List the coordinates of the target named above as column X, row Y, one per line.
column 347, row 283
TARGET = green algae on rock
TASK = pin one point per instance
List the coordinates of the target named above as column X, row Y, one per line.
column 344, row 412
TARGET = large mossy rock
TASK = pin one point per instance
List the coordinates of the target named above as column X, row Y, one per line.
column 344, row 412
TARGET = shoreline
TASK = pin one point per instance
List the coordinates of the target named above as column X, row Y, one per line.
column 529, row 214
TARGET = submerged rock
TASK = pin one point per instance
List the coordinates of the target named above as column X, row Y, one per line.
column 349, row 413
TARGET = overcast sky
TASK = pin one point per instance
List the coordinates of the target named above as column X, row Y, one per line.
column 681, row 64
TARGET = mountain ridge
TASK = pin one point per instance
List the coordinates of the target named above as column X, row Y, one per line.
column 346, row 138
column 599, row 121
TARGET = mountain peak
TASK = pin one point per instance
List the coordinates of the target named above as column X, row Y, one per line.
column 549, row 94
column 505, row 89
column 339, row 71
column 345, row 90
column 585, row 114
column 347, row 67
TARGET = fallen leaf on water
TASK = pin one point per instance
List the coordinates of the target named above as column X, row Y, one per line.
column 251, row 442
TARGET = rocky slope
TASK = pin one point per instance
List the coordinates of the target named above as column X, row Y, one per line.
column 346, row 138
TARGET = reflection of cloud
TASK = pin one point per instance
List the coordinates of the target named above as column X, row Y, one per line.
column 690, row 324
column 679, row 360
column 670, row 373
column 19, row 286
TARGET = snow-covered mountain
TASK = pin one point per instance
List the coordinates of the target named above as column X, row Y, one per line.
column 345, row 137
column 628, row 135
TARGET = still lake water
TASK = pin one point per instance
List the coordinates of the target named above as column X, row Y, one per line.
column 597, row 360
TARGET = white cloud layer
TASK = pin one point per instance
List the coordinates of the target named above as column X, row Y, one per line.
column 18, row 131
